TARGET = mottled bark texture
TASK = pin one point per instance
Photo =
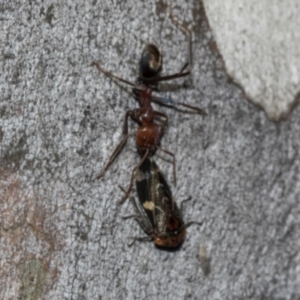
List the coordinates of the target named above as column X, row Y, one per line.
column 62, row 235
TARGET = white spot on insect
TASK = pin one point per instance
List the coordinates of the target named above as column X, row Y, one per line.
column 158, row 186
column 149, row 205
column 139, row 176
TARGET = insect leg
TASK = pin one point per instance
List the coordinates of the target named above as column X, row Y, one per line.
column 184, row 201
column 192, row 223
column 168, row 102
column 181, row 209
column 120, row 146
column 140, row 239
column 164, row 122
column 173, row 162
column 132, row 177
column 188, row 34
column 111, row 75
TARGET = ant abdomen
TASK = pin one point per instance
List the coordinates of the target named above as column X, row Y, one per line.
column 150, row 62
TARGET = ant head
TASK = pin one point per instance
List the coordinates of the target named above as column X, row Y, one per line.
column 150, row 62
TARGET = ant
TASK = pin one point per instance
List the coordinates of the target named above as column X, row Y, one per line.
column 149, row 132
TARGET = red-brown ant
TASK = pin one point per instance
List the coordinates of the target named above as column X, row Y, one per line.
column 149, row 132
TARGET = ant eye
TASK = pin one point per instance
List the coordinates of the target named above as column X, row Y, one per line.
column 150, row 62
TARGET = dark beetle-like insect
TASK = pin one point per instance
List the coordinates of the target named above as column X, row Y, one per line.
column 149, row 132
column 156, row 210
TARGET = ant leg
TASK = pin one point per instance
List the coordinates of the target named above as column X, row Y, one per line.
column 188, row 34
column 173, row 162
column 183, row 68
column 162, row 115
column 165, row 122
column 119, row 147
column 198, row 110
column 167, row 77
column 168, row 102
column 132, row 177
column 110, row 75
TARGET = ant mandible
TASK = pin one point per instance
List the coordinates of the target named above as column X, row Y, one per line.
column 149, row 132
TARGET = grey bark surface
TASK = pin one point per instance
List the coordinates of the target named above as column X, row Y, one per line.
column 62, row 235
column 260, row 46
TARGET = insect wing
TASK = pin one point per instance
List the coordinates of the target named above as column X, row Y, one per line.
column 157, row 206
column 173, row 217
column 145, row 186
